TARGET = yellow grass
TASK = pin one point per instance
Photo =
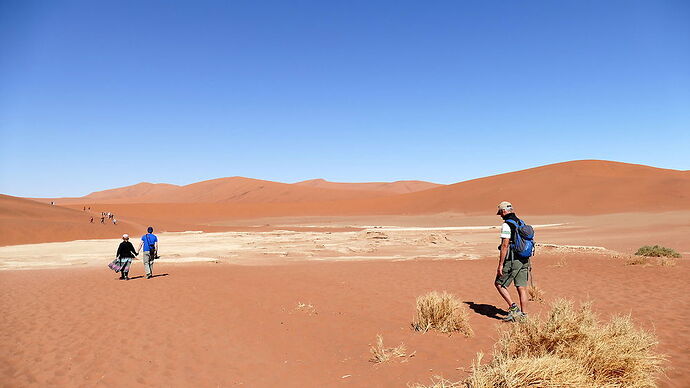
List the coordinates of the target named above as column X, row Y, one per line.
column 442, row 312
column 439, row 382
column 638, row 260
column 570, row 348
column 562, row 262
column 380, row 353
column 535, row 293
column 667, row 262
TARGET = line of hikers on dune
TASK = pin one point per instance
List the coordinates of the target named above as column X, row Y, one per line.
column 514, row 266
column 126, row 253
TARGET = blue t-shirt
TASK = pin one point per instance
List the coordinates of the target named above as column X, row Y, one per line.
column 149, row 239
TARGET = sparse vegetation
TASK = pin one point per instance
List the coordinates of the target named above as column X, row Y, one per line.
column 637, row 260
column 379, row 353
column 657, row 251
column 571, row 348
column 442, row 312
column 439, row 382
column 535, row 293
column 667, row 262
column 562, row 262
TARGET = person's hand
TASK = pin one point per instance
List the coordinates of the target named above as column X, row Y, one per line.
column 499, row 271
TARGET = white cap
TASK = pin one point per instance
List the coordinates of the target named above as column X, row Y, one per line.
column 125, row 236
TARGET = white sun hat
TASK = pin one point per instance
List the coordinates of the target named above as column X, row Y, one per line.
column 125, row 236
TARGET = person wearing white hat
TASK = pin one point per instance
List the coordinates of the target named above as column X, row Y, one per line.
column 125, row 253
column 511, row 268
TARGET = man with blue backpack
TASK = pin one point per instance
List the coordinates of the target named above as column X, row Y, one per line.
column 149, row 242
column 517, row 246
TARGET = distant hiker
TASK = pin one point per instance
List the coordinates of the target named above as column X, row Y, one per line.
column 102, row 219
column 150, row 243
column 84, row 208
column 123, row 258
column 92, row 220
column 514, row 259
column 114, row 221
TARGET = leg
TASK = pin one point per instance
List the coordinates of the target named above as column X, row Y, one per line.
column 505, row 294
column 522, row 293
column 147, row 263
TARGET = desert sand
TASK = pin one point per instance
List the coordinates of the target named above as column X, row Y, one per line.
column 263, row 283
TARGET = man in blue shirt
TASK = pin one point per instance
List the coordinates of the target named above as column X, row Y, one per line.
column 150, row 243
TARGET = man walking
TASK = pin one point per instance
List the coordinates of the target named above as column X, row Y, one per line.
column 150, row 243
column 512, row 268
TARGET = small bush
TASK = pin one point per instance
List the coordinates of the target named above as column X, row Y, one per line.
column 535, row 293
column 571, row 348
column 380, row 353
column 443, row 312
column 657, row 251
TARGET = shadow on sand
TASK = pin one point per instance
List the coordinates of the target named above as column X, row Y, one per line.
column 143, row 276
column 487, row 310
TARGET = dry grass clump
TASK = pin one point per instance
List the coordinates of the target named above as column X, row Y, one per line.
column 638, row 260
column 657, row 251
column 571, row 348
column 380, row 353
column 667, row 262
column 439, row 382
column 443, row 312
column 535, row 293
column 562, row 262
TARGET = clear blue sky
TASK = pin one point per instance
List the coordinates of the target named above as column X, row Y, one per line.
column 101, row 94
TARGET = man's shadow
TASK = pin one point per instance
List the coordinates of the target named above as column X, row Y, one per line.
column 142, row 276
column 487, row 310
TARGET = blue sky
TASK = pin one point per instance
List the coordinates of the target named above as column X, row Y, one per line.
column 95, row 95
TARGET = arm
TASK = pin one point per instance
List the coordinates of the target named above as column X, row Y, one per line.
column 505, row 246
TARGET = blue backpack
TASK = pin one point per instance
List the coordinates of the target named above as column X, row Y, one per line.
column 523, row 246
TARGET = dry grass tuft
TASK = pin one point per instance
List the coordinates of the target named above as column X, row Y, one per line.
column 439, row 382
column 571, row 348
column 638, row 260
column 380, row 353
column 562, row 262
column 535, row 293
column 667, row 262
column 443, row 312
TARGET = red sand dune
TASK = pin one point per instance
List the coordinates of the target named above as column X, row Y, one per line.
column 23, row 221
column 397, row 187
column 577, row 188
column 222, row 190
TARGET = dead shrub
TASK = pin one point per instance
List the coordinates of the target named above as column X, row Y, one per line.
column 535, row 293
column 443, row 312
column 380, row 353
column 571, row 348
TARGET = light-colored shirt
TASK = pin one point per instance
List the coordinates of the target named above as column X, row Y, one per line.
column 505, row 230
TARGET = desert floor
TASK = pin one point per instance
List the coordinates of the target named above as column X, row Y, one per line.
column 300, row 304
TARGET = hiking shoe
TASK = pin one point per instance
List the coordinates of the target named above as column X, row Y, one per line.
column 149, row 276
column 520, row 316
column 513, row 313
